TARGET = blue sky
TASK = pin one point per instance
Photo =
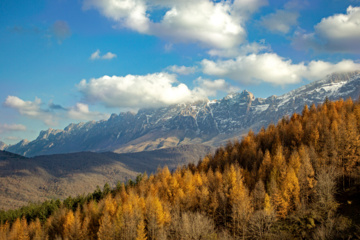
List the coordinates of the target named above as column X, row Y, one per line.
column 66, row 61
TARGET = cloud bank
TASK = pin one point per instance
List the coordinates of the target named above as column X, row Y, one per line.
column 50, row 114
column 11, row 127
column 337, row 33
column 31, row 109
column 213, row 24
column 271, row 68
column 211, row 88
column 152, row 90
column 81, row 112
column 134, row 91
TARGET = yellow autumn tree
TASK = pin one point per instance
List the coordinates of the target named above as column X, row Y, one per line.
column 157, row 216
column 140, row 231
column 241, row 206
column 19, row 230
column 265, row 166
column 68, row 224
column 291, row 189
column 306, row 175
column 106, row 229
column 4, row 231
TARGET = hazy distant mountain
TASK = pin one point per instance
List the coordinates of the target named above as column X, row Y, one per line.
column 2, row 145
column 206, row 122
column 47, row 177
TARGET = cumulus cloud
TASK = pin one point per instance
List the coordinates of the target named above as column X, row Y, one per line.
column 152, row 90
column 108, row 56
column 201, row 21
column 337, row 33
column 81, row 112
column 31, row 109
column 319, row 69
column 128, row 13
column 280, row 22
column 271, row 68
column 211, row 88
column 135, row 91
column 182, row 70
column 215, row 24
column 50, row 114
column 11, row 127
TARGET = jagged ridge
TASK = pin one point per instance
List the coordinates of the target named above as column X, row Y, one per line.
column 207, row 122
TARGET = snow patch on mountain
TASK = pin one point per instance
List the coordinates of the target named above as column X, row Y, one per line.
column 200, row 122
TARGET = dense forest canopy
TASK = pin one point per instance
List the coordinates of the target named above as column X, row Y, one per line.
column 288, row 181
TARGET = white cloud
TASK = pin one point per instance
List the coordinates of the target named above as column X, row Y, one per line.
column 51, row 114
column 244, row 49
column 109, row 55
column 214, row 24
column 128, row 13
column 271, row 68
column 319, row 69
column 11, row 127
column 182, row 70
column 136, row 91
column 31, row 109
column 280, row 22
column 337, row 33
column 201, row 21
column 96, row 55
column 152, row 90
column 81, row 112
column 211, row 88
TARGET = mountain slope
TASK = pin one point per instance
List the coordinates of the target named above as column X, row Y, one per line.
column 208, row 122
column 2, row 145
column 46, row 177
column 298, row 179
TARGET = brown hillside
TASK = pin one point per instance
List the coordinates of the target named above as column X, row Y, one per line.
column 58, row 176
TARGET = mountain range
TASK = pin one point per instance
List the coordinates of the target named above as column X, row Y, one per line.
column 210, row 123
column 73, row 161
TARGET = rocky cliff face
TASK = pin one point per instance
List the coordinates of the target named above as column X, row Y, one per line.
column 207, row 122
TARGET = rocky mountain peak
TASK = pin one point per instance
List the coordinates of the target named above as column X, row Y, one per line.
column 23, row 143
column 46, row 133
column 207, row 122
column 244, row 96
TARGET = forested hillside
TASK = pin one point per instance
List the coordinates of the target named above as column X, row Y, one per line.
column 298, row 179
column 41, row 178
